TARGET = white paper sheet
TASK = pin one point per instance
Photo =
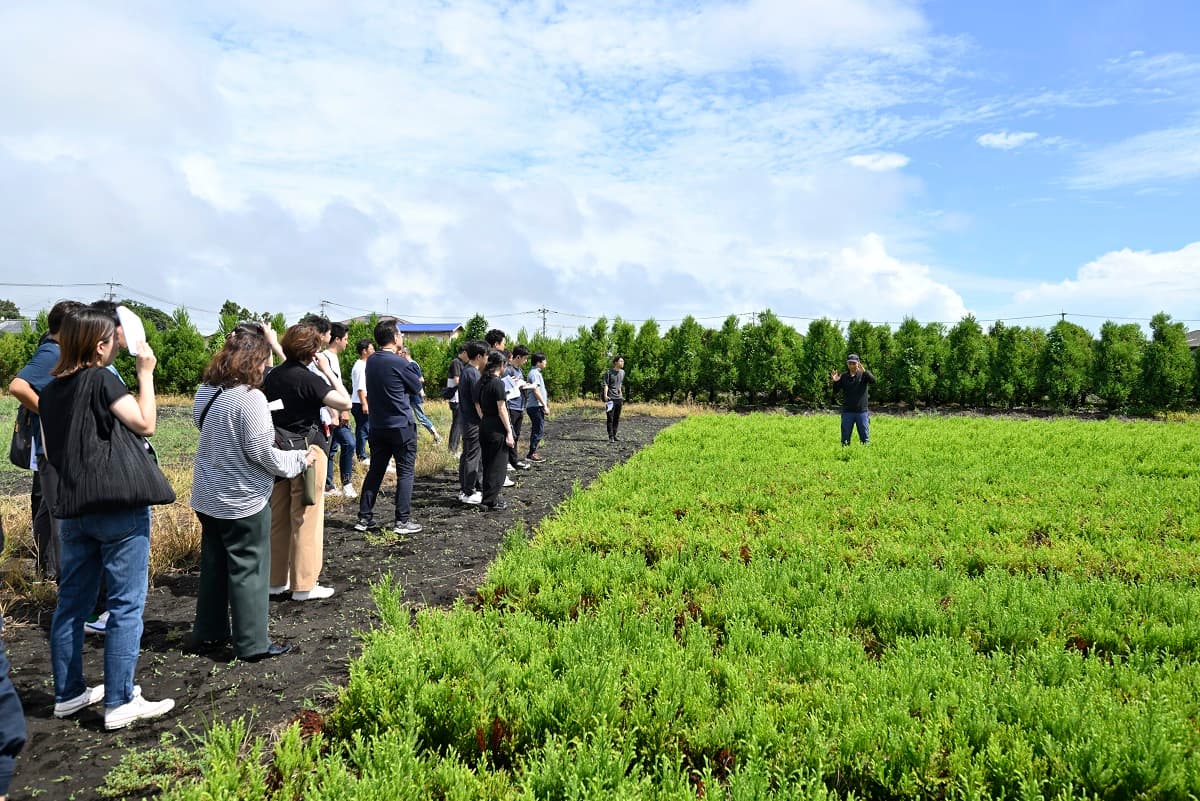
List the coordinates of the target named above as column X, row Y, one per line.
column 135, row 332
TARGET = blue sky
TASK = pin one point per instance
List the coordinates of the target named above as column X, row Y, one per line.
column 866, row 159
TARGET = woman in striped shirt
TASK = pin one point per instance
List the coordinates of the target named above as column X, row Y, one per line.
column 235, row 469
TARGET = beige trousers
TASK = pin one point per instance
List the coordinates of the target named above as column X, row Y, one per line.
column 298, row 531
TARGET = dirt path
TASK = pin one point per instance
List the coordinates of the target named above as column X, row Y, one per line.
column 70, row 758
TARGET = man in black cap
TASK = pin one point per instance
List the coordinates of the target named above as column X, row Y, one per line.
column 854, row 399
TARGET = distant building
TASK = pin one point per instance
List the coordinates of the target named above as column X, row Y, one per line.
column 443, row 332
column 15, row 326
column 1194, row 339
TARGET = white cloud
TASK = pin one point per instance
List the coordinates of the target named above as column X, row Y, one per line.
column 1126, row 283
column 878, row 162
column 1004, row 140
column 1171, row 154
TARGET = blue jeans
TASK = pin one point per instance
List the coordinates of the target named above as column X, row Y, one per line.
column 386, row 444
column 362, row 429
column 859, row 420
column 117, row 545
column 341, row 435
column 418, row 410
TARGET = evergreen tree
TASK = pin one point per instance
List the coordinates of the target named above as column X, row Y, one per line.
column 9, row 310
column 644, row 363
column 1066, row 368
column 620, row 340
column 564, row 367
column 966, row 367
column 592, row 348
column 720, row 365
column 912, row 364
column 685, row 355
column 476, row 327
column 1167, row 366
column 823, row 351
column 182, row 355
column 1118, row 364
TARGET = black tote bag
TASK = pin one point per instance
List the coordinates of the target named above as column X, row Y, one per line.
column 108, row 467
column 20, row 450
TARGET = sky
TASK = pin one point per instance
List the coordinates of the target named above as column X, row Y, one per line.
column 849, row 159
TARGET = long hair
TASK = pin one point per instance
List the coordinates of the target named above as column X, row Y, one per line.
column 82, row 330
column 301, row 342
column 241, row 359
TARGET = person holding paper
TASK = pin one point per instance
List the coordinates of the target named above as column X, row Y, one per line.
column 610, row 387
column 514, row 381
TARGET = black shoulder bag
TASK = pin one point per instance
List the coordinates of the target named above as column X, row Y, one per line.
column 20, row 452
column 110, row 467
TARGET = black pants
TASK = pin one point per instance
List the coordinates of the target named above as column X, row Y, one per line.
column 495, row 457
column 42, row 496
column 235, row 558
column 537, row 423
column 455, row 428
column 470, row 464
column 613, row 417
column 515, row 417
column 387, row 444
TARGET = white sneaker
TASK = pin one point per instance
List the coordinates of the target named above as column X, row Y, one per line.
column 97, row 626
column 473, row 498
column 92, row 695
column 315, row 594
column 365, row 462
column 407, row 528
column 138, row 708
column 333, row 493
column 508, row 482
column 509, row 467
column 349, row 491
column 278, row 589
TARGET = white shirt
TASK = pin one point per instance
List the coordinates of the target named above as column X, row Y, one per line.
column 358, row 380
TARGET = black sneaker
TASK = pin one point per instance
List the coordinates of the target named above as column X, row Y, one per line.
column 363, row 524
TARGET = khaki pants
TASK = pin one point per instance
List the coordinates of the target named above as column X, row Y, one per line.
column 298, row 531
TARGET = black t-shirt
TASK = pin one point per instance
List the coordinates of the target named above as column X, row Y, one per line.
column 491, row 391
column 302, row 392
column 854, row 391
column 57, row 399
column 467, row 393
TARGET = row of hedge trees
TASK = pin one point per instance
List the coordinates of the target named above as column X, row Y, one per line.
column 767, row 361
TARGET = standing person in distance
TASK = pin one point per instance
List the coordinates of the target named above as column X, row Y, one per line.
column 390, row 381
column 537, row 405
column 495, row 429
column 26, row 388
column 358, row 401
column 296, row 395
column 417, row 401
column 340, row 437
column 853, row 384
column 114, row 543
column 453, row 374
column 515, row 380
column 470, row 464
column 235, row 469
column 611, row 391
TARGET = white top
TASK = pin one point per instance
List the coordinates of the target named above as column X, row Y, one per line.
column 358, row 380
column 236, row 460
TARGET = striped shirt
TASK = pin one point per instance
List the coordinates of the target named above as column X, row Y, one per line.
column 236, row 460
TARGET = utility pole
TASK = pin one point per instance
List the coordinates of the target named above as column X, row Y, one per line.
column 1064, row 317
column 111, row 294
column 324, row 303
column 543, row 311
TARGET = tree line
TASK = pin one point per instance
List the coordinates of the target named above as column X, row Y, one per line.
column 767, row 361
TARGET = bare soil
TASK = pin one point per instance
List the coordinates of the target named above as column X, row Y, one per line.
column 70, row 758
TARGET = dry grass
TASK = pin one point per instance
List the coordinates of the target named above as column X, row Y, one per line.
column 595, row 408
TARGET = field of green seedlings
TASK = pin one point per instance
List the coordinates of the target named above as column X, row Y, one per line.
column 968, row 608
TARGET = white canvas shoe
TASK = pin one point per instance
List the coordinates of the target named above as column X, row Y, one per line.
column 92, row 695
column 317, row 593
column 349, row 491
column 137, row 709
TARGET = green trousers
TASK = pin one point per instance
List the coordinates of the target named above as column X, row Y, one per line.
column 235, row 558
